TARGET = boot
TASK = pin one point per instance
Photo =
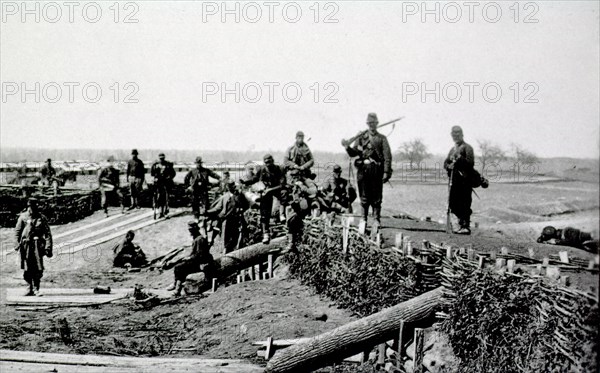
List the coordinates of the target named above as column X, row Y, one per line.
column 266, row 234
column 178, row 288
column 377, row 214
column 291, row 245
column 31, row 292
column 36, row 287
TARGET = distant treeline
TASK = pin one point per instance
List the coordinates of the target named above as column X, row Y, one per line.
column 99, row 155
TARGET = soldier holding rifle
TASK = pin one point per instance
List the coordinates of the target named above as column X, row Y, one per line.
column 34, row 241
column 197, row 185
column 374, row 165
column 135, row 177
column 459, row 165
column 273, row 177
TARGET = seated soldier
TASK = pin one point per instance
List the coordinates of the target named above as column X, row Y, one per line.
column 128, row 254
column 338, row 194
column 569, row 237
column 200, row 260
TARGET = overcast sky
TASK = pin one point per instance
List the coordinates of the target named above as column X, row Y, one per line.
column 377, row 53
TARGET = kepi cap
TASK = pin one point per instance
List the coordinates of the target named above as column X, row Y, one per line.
column 337, row 168
column 372, row 117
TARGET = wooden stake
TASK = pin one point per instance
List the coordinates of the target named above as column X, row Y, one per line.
column 345, row 234
column 462, row 251
column 214, row 285
column 470, row 254
column 362, row 227
column 398, row 241
column 400, row 345
column 448, row 252
column 270, row 265
column 251, row 273
column 239, row 278
column 481, row 261
column 269, row 351
column 500, row 263
column 418, row 362
column 531, row 252
column 243, row 275
column 546, row 261
column 510, row 265
column 504, row 250
column 378, row 239
column 381, row 353
column 493, row 256
column 261, row 271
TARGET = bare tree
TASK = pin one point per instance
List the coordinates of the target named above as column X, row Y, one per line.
column 414, row 151
column 523, row 156
column 489, row 153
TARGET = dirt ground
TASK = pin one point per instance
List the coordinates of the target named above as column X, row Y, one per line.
column 224, row 324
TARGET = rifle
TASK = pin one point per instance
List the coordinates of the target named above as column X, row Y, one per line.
column 352, row 139
column 448, row 218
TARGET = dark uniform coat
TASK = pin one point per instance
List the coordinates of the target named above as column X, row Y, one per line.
column 29, row 228
column 374, row 159
column 135, row 174
column 271, row 177
column 463, row 157
column 197, row 180
column 299, row 155
column 200, row 260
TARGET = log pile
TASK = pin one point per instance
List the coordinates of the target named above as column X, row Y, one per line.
column 68, row 206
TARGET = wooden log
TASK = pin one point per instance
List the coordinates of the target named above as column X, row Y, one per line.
column 234, row 262
column 354, row 337
column 418, row 361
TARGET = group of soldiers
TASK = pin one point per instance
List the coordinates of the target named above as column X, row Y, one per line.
column 291, row 184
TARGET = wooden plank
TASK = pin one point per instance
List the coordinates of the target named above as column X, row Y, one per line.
column 87, row 226
column 106, row 229
column 64, row 297
column 418, row 361
column 31, row 361
column 114, row 235
column 564, row 256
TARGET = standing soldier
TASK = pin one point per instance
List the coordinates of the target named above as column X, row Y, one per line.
column 34, row 241
column 299, row 156
column 224, row 185
column 47, row 173
column 459, row 165
column 229, row 209
column 338, row 195
column 200, row 260
column 135, row 177
column 198, row 184
column 273, row 177
column 163, row 173
column 109, row 182
column 374, row 166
